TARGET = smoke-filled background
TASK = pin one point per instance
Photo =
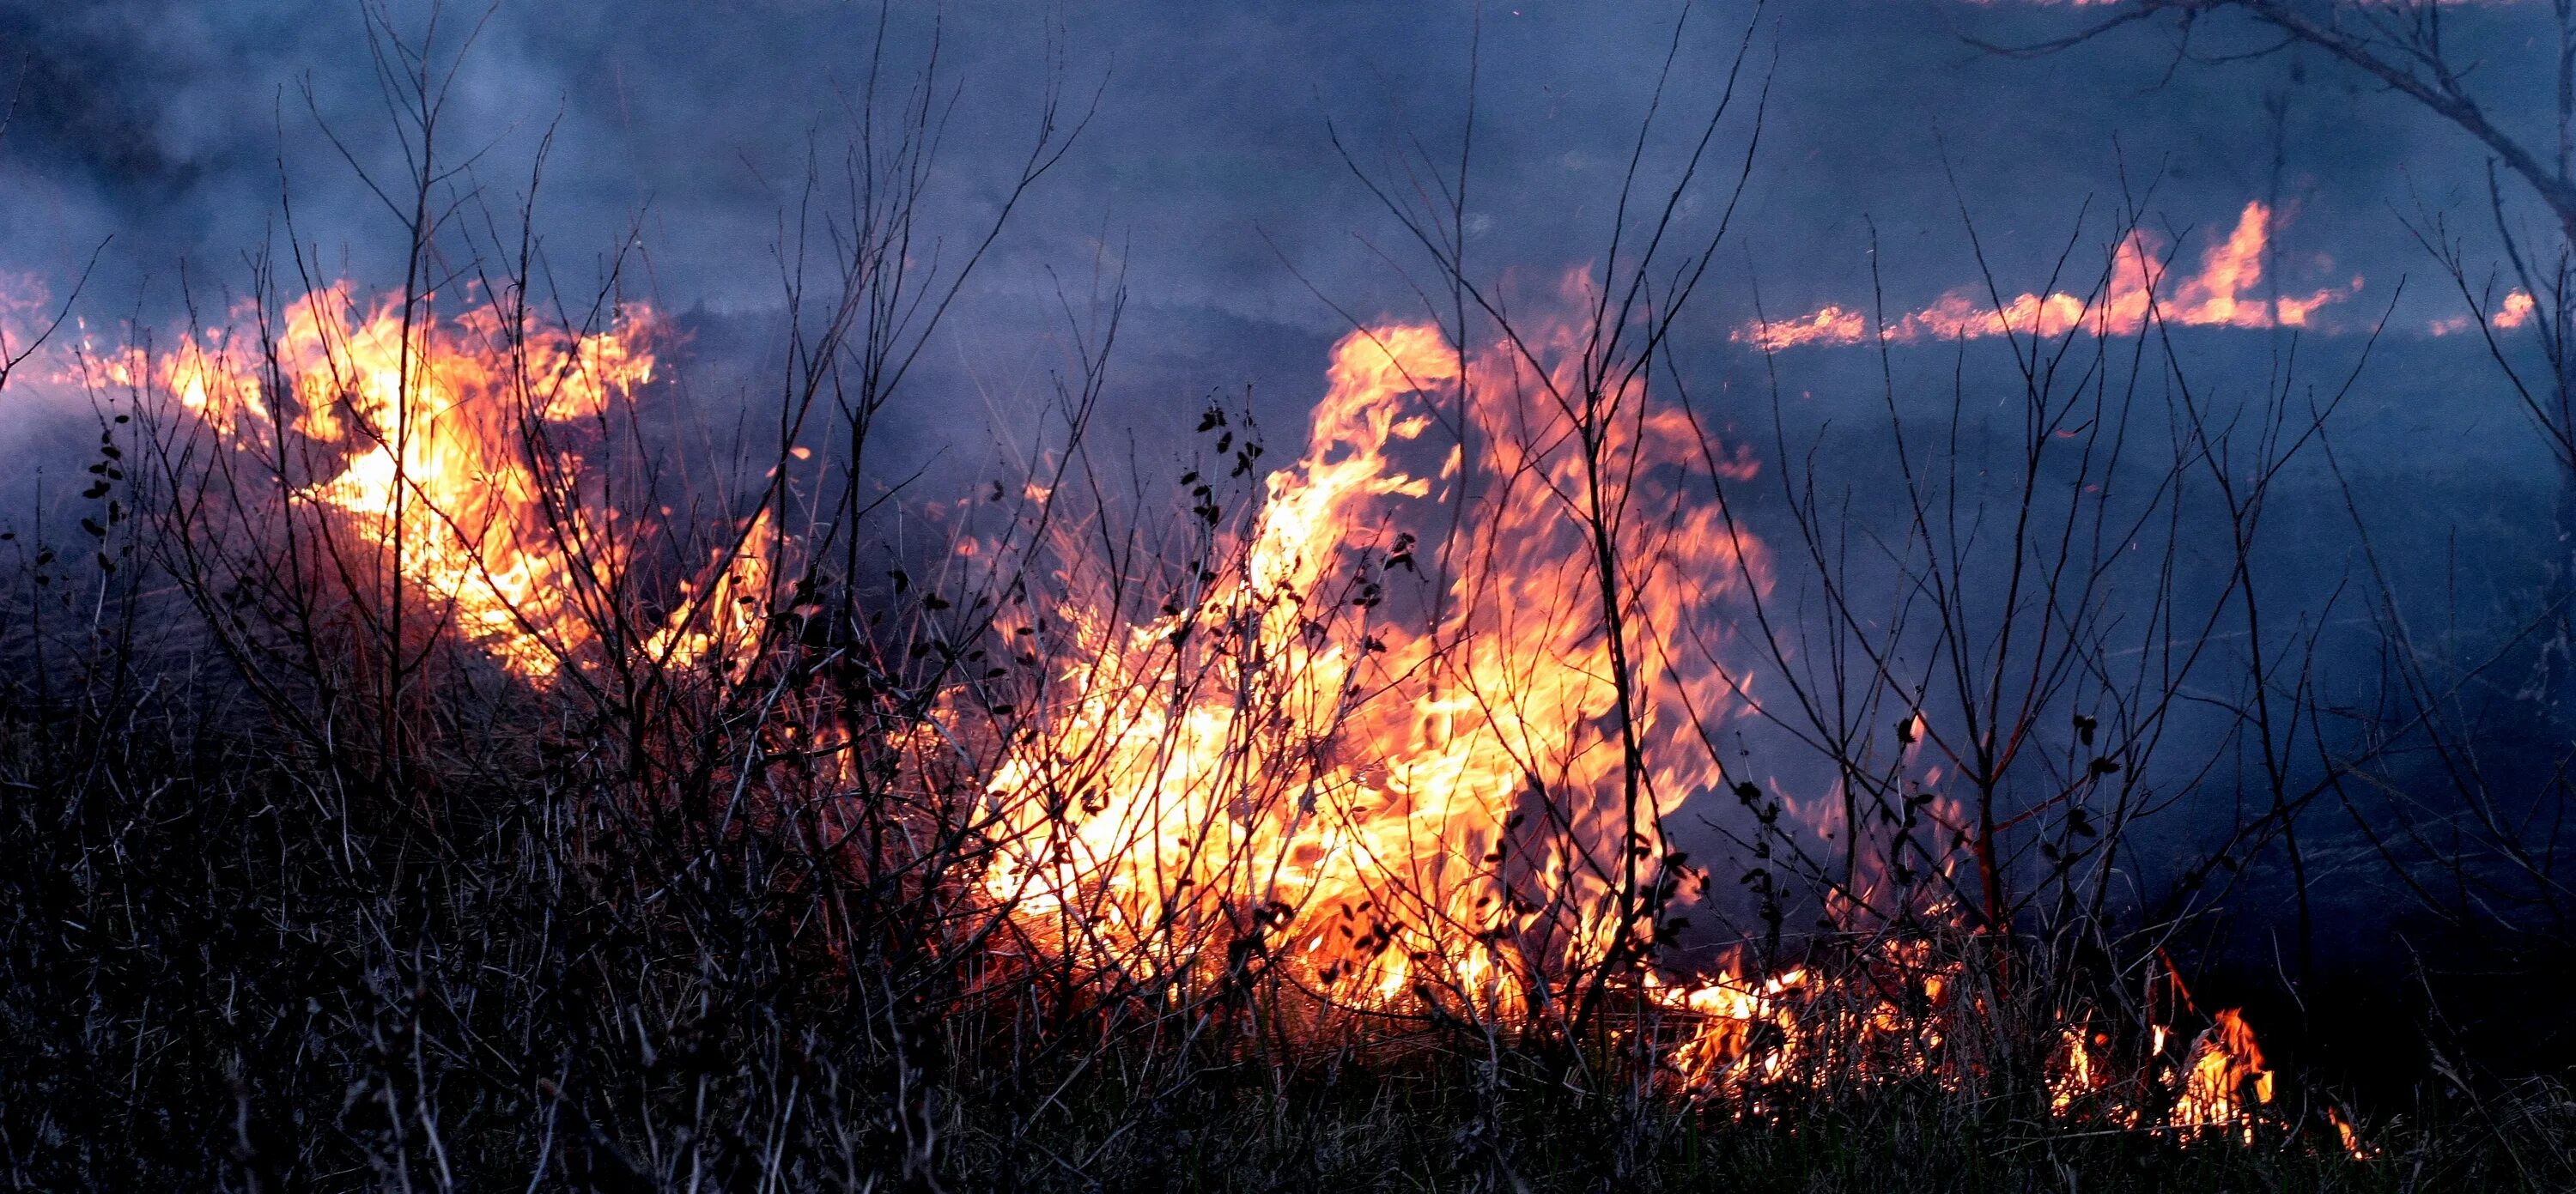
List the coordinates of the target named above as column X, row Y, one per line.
column 167, row 140
column 179, row 135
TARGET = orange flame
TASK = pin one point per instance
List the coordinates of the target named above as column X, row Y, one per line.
column 2349, row 1136
column 438, row 440
column 2137, row 290
column 2515, row 311
column 1436, row 808
column 2224, row 1066
column 1273, row 771
column 1278, row 768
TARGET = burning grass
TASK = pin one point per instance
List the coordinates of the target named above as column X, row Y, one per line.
column 2140, row 287
column 425, row 782
column 1322, row 800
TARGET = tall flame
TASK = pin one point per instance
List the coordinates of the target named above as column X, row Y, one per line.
column 1275, row 772
column 1436, row 806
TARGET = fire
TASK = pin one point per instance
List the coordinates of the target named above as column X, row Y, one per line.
column 2138, row 288
column 1385, row 806
column 1279, row 775
column 1884, row 1020
column 1387, row 767
column 2223, row 1067
column 441, row 442
column 2071, row 1075
column 2515, row 311
column 2349, row 1137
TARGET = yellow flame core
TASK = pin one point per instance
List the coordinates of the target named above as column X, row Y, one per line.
column 1433, row 804
column 2224, row 1068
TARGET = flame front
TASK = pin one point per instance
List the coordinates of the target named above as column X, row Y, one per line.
column 1290, row 773
column 2137, row 289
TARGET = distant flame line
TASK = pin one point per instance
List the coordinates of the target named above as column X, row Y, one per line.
column 2137, row 289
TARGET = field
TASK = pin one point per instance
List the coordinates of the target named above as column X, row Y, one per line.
column 444, row 748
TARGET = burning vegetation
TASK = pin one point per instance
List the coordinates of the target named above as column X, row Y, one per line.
column 431, row 446
column 2140, row 287
column 1380, row 772
column 453, row 782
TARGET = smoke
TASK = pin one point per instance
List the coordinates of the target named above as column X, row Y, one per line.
column 678, row 137
column 178, row 128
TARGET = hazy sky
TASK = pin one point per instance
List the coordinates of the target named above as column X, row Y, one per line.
column 175, row 127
